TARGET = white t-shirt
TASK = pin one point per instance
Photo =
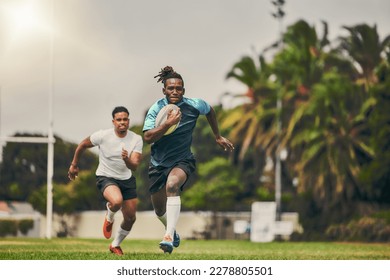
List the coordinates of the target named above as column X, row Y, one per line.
column 110, row 146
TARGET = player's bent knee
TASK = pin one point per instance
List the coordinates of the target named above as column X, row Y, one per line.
column 116, row 204
column 172, row 189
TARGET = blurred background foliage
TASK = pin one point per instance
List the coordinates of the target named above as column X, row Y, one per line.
column 334, row 129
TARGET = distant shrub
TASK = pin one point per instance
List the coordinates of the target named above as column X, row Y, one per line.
column 337, row 232
column 25, row 225
column 11, row 227
column 383, row 215
column 365, row 229
column 8, row 227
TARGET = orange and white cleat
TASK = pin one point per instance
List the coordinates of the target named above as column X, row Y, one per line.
column 116, row 250
column 107, row 228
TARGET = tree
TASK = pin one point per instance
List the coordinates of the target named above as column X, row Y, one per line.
column 24, row 167
column 376, row 173
column 75, row 196
column 328, row 117
column 249, row 125
column 363, row 46
column 255, row 125
column 327, row 132
column 251, row 120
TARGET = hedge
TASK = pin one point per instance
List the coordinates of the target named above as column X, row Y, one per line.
column 11, row 227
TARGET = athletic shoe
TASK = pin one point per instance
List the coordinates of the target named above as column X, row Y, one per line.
column 176, row 239
column 107, row 228
column 116, row 250
column 166, row 246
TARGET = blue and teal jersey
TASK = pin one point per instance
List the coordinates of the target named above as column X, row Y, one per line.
column 176, row 146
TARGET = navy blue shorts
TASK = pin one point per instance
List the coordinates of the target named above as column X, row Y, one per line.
column 158, row 175
column 128, row 187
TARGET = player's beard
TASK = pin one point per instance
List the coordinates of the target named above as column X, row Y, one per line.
column 122, row 130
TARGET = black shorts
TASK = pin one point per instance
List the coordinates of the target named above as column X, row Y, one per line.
column 158, row 174
column 128, row 187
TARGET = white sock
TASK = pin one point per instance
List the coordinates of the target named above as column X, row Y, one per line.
column 120, row 236
column 173, row 212
column 163, row 219
column 110, row 214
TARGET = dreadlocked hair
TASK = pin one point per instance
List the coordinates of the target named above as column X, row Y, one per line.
column 167, row 73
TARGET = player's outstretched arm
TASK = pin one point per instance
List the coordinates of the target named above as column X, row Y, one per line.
column 73, row 168
column 221, row 141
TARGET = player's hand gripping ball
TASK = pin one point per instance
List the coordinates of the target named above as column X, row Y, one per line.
column 163, row 115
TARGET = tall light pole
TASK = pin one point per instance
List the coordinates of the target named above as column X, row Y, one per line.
column 51, row 140
column 279, row 14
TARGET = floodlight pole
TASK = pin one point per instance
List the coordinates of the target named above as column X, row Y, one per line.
column 51, row 140
column 278, row 164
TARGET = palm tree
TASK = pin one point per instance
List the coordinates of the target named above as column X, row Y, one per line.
column 295, row 69
column 376, row 174
column 249, row 121
column 326, row 132
column 364, row 47
column 324, row 113
column 290, row 76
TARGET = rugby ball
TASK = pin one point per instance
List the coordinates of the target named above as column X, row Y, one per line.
column 162, row 117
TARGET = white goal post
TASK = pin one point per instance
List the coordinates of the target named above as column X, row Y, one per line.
column 50, row 140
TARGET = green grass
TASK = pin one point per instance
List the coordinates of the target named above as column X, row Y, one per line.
column 97, row 249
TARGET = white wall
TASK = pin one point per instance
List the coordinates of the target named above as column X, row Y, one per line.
column 89, row 224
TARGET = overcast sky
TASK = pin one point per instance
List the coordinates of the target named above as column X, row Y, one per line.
column 106, row 53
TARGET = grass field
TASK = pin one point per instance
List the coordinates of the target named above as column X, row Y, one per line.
column 97, row 249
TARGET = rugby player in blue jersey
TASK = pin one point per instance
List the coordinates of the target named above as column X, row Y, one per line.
column 172, row 161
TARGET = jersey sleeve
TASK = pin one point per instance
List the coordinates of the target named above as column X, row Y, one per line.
column 202, row 106
column 138, row 145
column 96, row 138
column 150, row 119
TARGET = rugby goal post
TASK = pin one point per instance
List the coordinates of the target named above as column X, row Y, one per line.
column 50, row 140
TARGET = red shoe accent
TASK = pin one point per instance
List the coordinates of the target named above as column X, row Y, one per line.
column 116, row 250
column 107, row 228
